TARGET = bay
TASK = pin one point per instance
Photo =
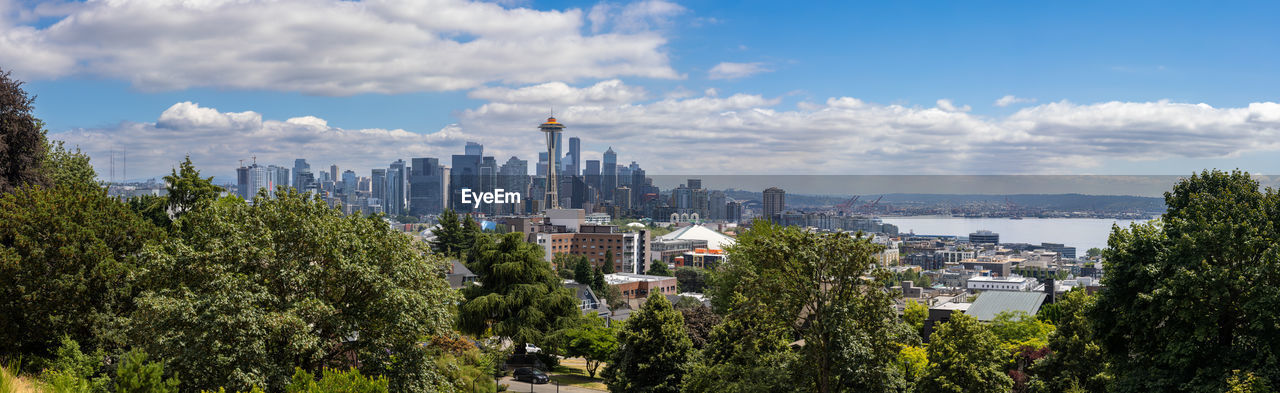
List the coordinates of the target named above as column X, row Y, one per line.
column 1081, row 233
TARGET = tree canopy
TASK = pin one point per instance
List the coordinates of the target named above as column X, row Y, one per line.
column 247, row 292
column 965, row 356
column 519, row 298
column 1192, row 297
column 22, row 141
column 653, row 352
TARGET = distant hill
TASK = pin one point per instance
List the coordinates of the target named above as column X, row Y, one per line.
column 1058, row 202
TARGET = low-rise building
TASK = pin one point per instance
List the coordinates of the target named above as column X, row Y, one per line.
column 636, row 287
column 1010, row 283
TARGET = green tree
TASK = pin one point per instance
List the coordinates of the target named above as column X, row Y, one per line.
column 520, row 298
column 965, row 356
column 1017, row 329
column 913, row 362
column 334, row 381
column 653, row 352
column 74, row 371
column 1093, row 252
column 746, row 353
column 449, row 239
column 187, row 190
column 1246, row 382
column 1190, row 298
column 244, row 293
column 582, row 272
column 64, row 166
column 607, row 266
column 22, row 141
column 659, row 268
column 1076, row 359
column 137, row 375
column 591, row 340
column 915, row 314
column 691, row 279
column 597, row 280
column 819, row 286
column 69, row 257
column 698, row 321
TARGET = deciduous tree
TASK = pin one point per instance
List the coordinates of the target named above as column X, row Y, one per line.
column 22, row 142
column 965, row 356
column 1192, row 297
column 653, row 352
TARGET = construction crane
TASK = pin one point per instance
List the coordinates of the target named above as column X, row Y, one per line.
column 868, row 206
column 847, row 206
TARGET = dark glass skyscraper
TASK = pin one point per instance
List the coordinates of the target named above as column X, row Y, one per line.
column 609, row 174
column 573, row 166
column 426, row 182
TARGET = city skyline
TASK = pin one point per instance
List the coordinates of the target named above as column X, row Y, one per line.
column 1117, row 89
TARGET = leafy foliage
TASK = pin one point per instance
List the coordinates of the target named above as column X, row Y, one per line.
column 63, row 166
column 698, row 322
column 454, row 235
column 653, row 351
column 68, row 258
column 746, row 353
column 520, row 298
column 137, row 375
column 1193, row 297
column 915, row 314
column 332, row 381
column 691, row 279
column 1017, row 329
column 591, row 340
column 659, row 268
column 245, row 293
column 187, row 190
column 1076, row 359
column 74, row 371
column 965, row 356
column 22, row 141
column 817, row 285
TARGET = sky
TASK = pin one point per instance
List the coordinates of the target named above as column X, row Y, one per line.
column 681, row 87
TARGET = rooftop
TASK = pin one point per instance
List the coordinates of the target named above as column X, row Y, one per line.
column 991, row 303
column 623, row 278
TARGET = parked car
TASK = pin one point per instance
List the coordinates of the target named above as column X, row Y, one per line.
column 530, row 375
column 527, row 348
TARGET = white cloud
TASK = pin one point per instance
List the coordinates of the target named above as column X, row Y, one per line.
column 332, row 47
column 735, row 134
column 728, row 70
column 1010, row 100
column 947, row 105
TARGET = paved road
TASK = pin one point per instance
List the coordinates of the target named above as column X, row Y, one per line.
column 517, row 387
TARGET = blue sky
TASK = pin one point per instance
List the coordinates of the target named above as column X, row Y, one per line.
column 681, row 87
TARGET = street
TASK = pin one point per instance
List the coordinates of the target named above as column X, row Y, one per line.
column 517, row 387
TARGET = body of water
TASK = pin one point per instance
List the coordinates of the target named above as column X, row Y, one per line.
column 1081, row 233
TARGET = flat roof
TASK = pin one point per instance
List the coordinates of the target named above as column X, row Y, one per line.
column 622, row 278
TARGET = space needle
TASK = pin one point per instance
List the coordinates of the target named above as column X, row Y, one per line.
column 552, row 129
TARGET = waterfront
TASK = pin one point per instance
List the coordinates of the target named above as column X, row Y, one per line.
column 1081, row 233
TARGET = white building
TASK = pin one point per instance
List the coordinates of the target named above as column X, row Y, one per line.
column 1010, row 283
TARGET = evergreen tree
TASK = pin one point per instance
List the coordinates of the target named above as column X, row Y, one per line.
column 659, row 268
column 520, row 298
column 187, row 190
column 137, row 375
column 22, row 141
column 746, row 353
column 582, row 272
column 63, row 166
column 70, row 258
column 448, row 233
column 597, row 281
column 653, row 351
column 965, row 356
column 607, row 266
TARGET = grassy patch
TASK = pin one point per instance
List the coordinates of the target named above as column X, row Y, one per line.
column 573, row 372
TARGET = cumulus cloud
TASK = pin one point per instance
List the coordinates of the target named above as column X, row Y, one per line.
column 947, row 105
column 332, row 47
column 728, row 70
column 734, row 134
column 1011, row 99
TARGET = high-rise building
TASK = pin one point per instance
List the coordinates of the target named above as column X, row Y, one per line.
column 513, row 176
column 716, row 205
column 695, row 184
column 473, row 149
column 591, row 173
column 622, row 197
column 279, row 177
column 464, row 174
column 541, row 169
column 378, row 184
column 349, row 182
column 775, row 202
column 334, row 175
column 252, row 178
column 300, row 166
column 573, row 161
column 426, row 186
column 733, row 211
column 609, row 174
column 488, row 181
column 397, row 177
